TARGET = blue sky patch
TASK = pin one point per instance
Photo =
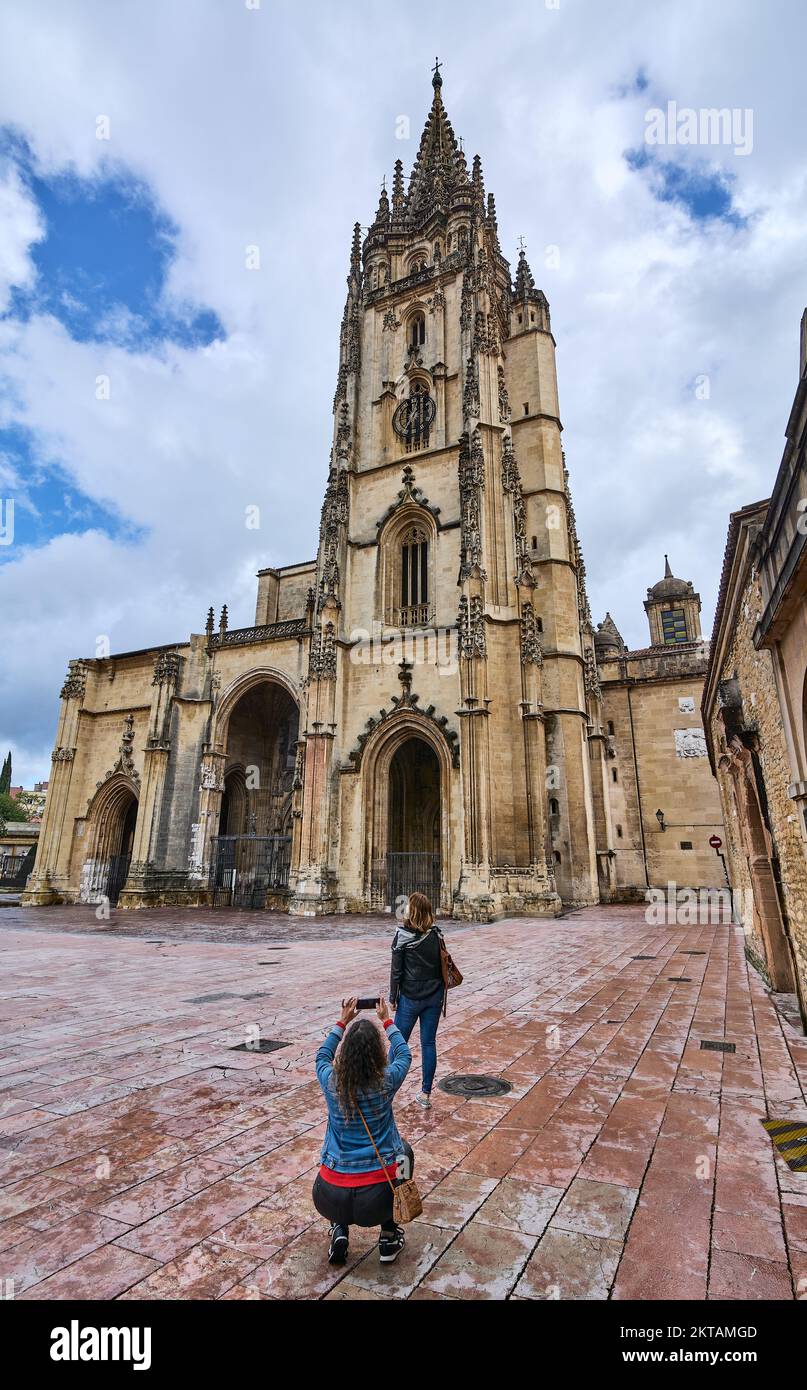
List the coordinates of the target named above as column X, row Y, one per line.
column 103, row 263
column 46, row 502
column 704, row 192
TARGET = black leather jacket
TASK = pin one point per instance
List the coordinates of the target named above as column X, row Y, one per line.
column 416, row 969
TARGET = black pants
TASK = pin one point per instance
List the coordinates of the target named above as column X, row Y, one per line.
column 358, row 1206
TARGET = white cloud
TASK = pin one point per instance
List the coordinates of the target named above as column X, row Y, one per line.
column 273, row 127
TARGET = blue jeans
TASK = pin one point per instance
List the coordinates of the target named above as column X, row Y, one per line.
column 428, row 1011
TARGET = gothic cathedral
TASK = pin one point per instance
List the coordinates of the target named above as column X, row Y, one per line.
column 418, row 708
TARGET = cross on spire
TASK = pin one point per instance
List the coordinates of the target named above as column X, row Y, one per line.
column 522, row 245
column 436, row 79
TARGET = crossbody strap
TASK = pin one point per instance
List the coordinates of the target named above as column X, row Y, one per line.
column 377, row 1154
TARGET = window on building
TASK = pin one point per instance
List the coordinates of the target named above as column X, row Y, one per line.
column 614, row 775
column 673, row 626
column 526, row 407
column 414, row 591
column 417, row 330
column 686, row 844
column 554, row 808
column 619, row 832
column 611, row 726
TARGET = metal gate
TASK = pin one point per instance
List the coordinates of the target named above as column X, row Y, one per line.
column 107, row 878
column 14, row 869
column 400, row 874
column 244, row 868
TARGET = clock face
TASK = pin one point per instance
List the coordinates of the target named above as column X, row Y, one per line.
column 414, row 415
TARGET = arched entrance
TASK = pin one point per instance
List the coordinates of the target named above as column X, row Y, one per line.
column 251, row 854
column 112, row 821
column 413, row 820
column 407, row 794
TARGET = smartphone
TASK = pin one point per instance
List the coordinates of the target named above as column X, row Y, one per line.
column 367, row 1003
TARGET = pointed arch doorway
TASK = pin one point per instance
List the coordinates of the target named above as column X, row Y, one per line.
column 112, row 822
column 407, row 827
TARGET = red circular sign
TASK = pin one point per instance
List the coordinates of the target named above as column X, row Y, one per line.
column 715, row 841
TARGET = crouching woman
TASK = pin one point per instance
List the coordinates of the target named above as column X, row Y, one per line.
column 363, row 1155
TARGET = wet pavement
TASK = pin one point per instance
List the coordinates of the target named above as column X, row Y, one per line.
column 141, row 1157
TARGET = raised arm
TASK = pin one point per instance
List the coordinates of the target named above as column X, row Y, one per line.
column 400, row 1058
column 327, row 1050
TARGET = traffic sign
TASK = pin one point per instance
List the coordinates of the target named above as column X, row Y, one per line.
column 715, row 841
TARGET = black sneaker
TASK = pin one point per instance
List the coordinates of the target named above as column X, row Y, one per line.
column 391, row 1244
column 337, row 1253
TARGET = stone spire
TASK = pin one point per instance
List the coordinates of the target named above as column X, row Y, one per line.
column 382, row 217
column 355, row 248
column 608, row 638
column 398, row 192
column 524, row 287
column 439, row 167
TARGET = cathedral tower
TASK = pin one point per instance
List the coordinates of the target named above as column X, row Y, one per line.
column 451, row 725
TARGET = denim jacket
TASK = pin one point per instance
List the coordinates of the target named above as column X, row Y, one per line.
column 346, row 1148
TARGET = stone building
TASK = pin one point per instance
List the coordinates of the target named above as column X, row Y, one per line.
column 418, row 706
column 755, row 711
column 663, row 798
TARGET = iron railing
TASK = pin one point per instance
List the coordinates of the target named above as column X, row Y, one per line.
column 402, row 873
column 245, row 868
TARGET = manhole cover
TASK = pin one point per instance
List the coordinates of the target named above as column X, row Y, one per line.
column 262, row 1045
column 680, row 979
column 709, row 1046
column 790, row 1138
column 475, row 1086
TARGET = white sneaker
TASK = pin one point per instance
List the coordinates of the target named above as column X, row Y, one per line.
column 425, row 1100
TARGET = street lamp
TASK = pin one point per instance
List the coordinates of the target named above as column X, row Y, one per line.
column 660, row 819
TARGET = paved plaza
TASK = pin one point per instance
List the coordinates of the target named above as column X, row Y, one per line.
column 141, row 1157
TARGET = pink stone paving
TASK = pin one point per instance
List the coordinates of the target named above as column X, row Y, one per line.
column 140, row 1157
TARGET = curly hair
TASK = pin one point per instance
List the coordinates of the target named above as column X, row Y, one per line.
column 360, row 1064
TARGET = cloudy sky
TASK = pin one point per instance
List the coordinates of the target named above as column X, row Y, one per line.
column 676, row 275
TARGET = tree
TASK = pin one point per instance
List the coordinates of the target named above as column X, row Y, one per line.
column 5, row 775
column 11, row 809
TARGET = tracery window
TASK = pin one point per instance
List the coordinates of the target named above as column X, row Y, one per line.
column 417, row 330
column 414, row 577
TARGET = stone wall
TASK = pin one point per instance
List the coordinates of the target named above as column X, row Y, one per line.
column 753, row 670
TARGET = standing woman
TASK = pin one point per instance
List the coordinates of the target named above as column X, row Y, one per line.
column 416, row 984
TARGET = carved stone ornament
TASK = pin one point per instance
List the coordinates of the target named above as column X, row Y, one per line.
column 531, row 652
column 322, row 664
column 166, row 668
column 471, row 482
column 410, row 492
column 409, row 702
column 471, row 626
column 75, row 684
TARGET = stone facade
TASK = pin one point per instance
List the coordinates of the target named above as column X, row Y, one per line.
column 418, row 706
column 756, row 714
column 656, row 749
